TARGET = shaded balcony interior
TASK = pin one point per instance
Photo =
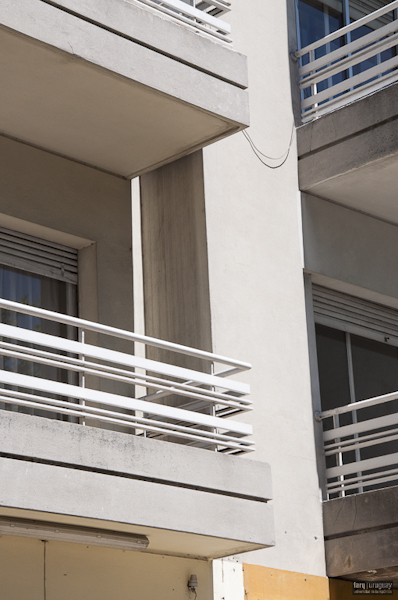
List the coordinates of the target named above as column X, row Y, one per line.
column 357, row 356
column 345, row 52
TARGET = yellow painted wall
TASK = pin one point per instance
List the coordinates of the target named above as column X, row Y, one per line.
column 78, row 572
column 262, row 583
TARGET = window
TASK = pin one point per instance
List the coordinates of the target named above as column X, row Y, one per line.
column 44, row 275
column 357, row 349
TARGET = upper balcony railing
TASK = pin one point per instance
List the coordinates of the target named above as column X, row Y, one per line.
column 201, row 16
column 349, row 63
column 89, row 383
column 361, row 447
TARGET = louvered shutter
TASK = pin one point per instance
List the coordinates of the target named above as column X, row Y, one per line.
column 361, row 8
column 357, row 316
column 35, row 255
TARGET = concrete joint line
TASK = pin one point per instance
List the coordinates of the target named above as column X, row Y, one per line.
column 361, row 531
column 124, row 475
column 348, row 137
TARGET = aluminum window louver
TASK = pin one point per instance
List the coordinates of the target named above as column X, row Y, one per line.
column 361, row 8
column 360, row 317
column 35, row 255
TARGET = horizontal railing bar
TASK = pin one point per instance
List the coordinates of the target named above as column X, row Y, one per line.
column 350, row 48
column 96, row 396
column 363, row 438
column 358, row 405
column 83, row 366
column 344, row 30
column 362, row 465
column 360, row 427
column 85, row 413
column 358, row 445
column 363, row 484
column 120, row 333
column 178, row 18
column 351, row 82
column 191, row 11
column 121, row 358
column 335, row 103
column 359, row 478
column 350, row 61
column 33, row 399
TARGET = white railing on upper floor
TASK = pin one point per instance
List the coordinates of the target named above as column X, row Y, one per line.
column 331, row 78
column 201, row 16
column 51, row 374
column 362, row 455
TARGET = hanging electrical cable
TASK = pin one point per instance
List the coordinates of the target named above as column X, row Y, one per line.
column 260, row 154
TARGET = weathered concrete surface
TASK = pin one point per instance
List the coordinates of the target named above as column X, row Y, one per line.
column 155, row 31
column 128, row 455
column 350, row 156
column 176, row 280
column 355, row 513
column 78, row 89
column 361, row 533
column 191, row 502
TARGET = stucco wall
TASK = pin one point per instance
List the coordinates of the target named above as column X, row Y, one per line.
column 256, row 285
column 57, row 199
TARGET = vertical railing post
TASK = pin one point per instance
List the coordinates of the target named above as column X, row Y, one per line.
column 82, row 376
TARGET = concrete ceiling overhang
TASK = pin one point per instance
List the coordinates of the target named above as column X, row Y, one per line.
column 76, row 89
column 350, row 156
column 161, row 541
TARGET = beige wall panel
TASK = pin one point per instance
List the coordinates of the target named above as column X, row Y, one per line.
column 78, row 572
column 63, row 196
column 21, row 569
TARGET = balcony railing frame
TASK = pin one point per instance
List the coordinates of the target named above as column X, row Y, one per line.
column 343, row 59
column 206, row 397
column 361, row 474
column 200, row 16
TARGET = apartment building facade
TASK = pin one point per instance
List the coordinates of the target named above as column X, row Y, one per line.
column 174, row 195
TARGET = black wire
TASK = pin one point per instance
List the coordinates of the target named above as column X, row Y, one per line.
column 257, row 152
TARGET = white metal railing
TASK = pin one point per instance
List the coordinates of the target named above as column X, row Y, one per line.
column 353, row 79
column 361, row 460
column 199, row 15
column 206, row 398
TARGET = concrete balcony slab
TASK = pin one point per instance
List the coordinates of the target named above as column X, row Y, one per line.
column 189, row 502
column 75, row 83
column 361, row 536
column 350, row 156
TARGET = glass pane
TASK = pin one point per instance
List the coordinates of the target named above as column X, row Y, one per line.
column 42, row 292
column 333, row 368
column 375, row 373
column 316, row 20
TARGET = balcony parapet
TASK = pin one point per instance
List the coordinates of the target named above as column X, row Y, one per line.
column 365, row 452
column 332, row 78
column 197, row 417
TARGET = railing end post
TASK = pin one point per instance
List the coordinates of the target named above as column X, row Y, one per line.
column 317, row 416
column 294, row 57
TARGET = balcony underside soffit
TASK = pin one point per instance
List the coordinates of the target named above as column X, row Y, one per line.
column 62, row 103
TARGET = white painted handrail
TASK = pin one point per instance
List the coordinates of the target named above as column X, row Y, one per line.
column 320, row 94
column 348, row 28
column 205, row 397
column 363, row 439
column 198, row 15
